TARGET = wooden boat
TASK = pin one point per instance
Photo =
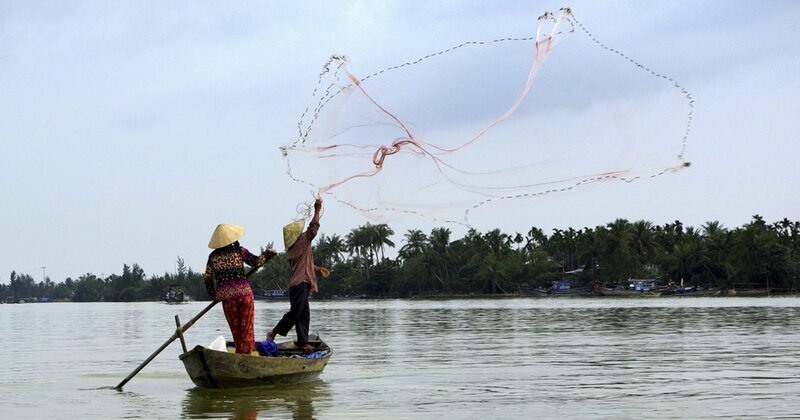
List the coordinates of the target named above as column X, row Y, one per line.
column 572, row 292
column 622, row 292
column 275, row 294
column 748, row 292
column 697, row 292
column 219, row 369
column 176, row 294
column 530, row 291
column 564, row 288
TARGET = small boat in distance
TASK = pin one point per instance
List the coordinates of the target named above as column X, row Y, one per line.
column 566, row 288
column 272, row 295
column 226, row 369
column 525, row 290
column 696, row 291
column 748, row 292
column 620, row 291
column 176, row 294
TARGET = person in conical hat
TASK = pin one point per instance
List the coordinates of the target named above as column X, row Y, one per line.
column 224, row 235
column 303, row 280
column 292, row 231
column 225, row 281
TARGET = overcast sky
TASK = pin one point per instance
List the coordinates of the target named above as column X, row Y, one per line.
column 130, row 129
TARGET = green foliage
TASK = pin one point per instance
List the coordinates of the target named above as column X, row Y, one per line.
column 757, row 255
column 88, row 288
column 274, row 276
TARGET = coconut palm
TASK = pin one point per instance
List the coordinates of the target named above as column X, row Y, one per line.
column 711, row 229
column 415, row 244
column 330, row 249
column 380, row 237
column 439, row 254
column 534, row 239
column 359, row 245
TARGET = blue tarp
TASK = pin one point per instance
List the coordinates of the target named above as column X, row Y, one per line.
column 267, row 348
column 317, row 355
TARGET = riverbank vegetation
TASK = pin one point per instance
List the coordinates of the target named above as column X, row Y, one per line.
column 756, row 255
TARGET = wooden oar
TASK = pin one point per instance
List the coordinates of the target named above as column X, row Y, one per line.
column 178, row 333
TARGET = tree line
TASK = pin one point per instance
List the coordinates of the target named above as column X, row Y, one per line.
column 755, row 255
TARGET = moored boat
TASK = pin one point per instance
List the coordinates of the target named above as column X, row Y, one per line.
column 274, row 294
column 525, row 290
column 696, row 291
column 564, row 288
column 622, row 292
column 748, row 292
column 225, row 369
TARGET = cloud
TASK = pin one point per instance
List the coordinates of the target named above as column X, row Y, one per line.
column 128, row 124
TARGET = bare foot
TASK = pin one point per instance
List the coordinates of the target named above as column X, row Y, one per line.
column 271, row 336
column 308, row 348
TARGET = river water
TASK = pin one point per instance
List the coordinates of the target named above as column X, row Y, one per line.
column 461, row 358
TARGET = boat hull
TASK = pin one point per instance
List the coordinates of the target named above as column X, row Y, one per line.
column 628, row 293
column 749, row 292
column 218, row 369
column 531, row 292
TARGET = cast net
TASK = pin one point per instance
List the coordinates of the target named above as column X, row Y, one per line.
column 482, row 124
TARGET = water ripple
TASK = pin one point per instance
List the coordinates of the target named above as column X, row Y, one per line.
column 473, row 358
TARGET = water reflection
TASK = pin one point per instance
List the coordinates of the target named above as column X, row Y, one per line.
column 285, row 401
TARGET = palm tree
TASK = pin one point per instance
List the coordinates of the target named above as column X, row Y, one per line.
column 518, row 239
column 330, row 249
column 359, row 244
column 690, row 258
column 614, row 243
column 718, row 249
column 562, row 246
column 439, row 246
column 497, row 242
column 642, row 236
column 440, row 238
column 415, row 244
column 644, row 247
column 497, row 248
column 534, row 239
column 710, row 229
column 571, row 247
column 758, row 255
column 555, row 245
column 380, row 236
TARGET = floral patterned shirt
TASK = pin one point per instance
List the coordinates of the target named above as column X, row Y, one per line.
column 225, row 276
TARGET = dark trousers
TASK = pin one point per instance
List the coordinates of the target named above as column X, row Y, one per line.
column 299, row 314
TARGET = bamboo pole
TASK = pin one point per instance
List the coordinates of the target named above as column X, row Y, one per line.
column 178, row 333
column 163, row 346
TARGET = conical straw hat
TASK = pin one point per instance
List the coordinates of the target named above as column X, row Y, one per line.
column 292, row 231
column 225, row 235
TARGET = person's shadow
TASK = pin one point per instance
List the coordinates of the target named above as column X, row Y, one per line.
column 269, row 401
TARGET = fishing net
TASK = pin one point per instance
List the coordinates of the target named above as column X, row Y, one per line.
column 481, row 124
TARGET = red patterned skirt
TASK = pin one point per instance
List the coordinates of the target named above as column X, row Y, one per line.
column 240, row 313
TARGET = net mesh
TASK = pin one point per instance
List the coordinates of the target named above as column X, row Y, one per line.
column 483, row 123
